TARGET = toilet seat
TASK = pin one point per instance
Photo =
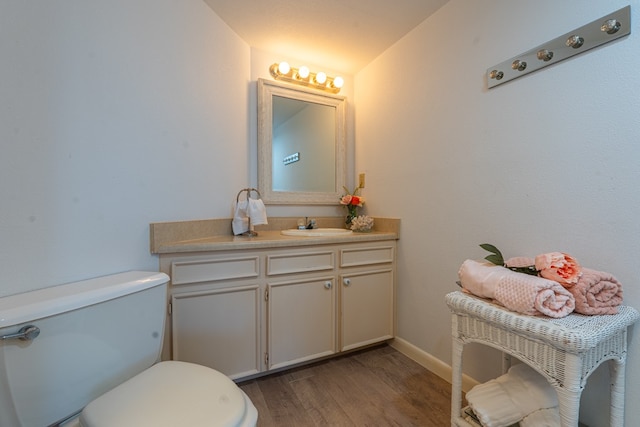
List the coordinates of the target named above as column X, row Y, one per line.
column 172, row 394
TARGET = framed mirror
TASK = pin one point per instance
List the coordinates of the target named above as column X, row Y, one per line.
column 301, row 144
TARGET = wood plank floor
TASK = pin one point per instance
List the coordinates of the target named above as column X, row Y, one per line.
column 373, row 387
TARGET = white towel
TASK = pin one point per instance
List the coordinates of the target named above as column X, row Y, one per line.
column 511, row 397
column 257, row 212
column 240, row 222
column 549, row 417
column 251, row 209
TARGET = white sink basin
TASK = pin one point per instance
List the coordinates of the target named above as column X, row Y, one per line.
column 317, row 232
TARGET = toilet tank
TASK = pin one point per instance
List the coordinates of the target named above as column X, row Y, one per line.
column 94, row 335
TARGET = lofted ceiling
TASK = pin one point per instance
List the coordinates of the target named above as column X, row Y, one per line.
column 343, row 35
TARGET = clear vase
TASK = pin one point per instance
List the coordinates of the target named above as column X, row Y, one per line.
column 351, row 215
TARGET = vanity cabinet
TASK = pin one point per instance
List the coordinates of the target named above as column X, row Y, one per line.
column 367, row 295
column 301, row 321
column 218, row 328
column 366, row 308
column 215, row 313
column 248, row 312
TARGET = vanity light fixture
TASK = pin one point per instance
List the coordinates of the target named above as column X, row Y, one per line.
column 596, row 33
column 302, row 76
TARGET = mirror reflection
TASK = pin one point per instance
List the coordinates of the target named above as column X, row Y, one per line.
column 301, row 144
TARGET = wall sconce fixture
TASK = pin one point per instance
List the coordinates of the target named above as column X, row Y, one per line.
column 596, row 33
column 302, row 76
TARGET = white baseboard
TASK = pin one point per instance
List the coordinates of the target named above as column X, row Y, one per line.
column 433, row 364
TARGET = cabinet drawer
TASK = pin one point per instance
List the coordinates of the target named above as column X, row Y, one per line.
column 299, row 263
column 366, row 256
column 210, row 270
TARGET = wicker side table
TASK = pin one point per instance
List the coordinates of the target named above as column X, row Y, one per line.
column 566, row 351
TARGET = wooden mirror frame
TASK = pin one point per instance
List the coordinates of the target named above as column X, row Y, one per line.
column 266, row 91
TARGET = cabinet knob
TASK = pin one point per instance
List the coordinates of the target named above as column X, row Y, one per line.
column 346, row 281
column 327, row 284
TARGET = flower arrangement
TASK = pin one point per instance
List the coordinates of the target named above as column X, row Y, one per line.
column 556, row 266
column 362, row 223
column 352, row 202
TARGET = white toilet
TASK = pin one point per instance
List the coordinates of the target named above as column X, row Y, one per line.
column 85, row 353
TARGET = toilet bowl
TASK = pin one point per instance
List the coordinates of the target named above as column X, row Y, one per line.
column 172, row 394
column 97, row 355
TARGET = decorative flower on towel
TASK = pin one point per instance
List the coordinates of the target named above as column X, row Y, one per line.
column 559, row 267
column 556, row 266
column 352, row 202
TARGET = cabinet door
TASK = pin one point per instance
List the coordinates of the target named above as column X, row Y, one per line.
column 367, row 308
column 218, row 328
column 301, row 321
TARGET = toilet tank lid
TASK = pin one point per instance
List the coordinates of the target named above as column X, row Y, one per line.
column 34, row 305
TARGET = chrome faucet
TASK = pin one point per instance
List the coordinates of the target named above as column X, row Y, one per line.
column 306, row 223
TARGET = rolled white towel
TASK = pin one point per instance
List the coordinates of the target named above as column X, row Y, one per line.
column 511, row 397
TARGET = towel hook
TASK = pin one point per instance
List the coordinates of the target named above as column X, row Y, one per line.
column 249, row 232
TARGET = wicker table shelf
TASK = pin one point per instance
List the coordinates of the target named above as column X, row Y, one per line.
column 566, row 351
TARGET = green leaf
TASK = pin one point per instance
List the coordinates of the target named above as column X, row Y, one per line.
column 530, row 269
column 495, row 257
column 489, row 247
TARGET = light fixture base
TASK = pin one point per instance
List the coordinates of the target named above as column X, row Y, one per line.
column 294, row 76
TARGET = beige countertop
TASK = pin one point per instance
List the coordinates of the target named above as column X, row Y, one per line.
column 215, row 235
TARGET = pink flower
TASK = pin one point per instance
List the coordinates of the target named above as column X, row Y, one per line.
column 352, row 200
column 559, row 267
column 346, row 200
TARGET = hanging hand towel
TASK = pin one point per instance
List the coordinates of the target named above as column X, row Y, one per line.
column 257, row 212
column 240, row 222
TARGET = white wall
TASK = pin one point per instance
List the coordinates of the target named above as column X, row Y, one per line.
column 546, row 162
column 117, row 114
column 113, row 115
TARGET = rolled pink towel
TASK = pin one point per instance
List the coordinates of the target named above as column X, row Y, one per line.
column 517, row 292
column 597, row 292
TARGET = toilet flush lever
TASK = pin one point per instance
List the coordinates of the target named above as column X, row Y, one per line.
column 26, row 333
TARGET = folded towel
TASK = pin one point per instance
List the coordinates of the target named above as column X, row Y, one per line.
column 518, row 292
column 548, row 417
column 240, row 222
column 597, row 292
column 511, row 397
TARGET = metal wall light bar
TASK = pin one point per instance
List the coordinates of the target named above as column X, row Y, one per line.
column 291, row 158
column 596, row 33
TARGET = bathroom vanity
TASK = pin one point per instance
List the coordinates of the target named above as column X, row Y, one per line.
column 247, row 306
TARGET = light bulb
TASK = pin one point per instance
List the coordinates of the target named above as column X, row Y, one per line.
column 303, row 72
column 321, row 78
column 338, row 82
column 284, row 67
